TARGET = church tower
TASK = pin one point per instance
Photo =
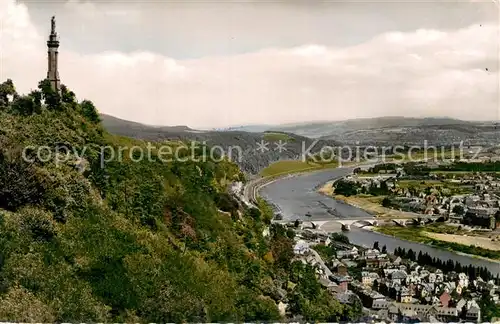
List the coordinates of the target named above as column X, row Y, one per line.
column 53, row 45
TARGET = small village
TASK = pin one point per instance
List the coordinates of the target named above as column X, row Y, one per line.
column 469, row 198
column 392, row 287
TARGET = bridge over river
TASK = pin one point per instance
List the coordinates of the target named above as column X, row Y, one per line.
column 403, row 222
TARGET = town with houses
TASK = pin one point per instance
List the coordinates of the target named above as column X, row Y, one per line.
column 470, row 198
column 391, row 288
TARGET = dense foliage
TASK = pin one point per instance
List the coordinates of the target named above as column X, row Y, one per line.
column 129, row 240
column 472, row 167
column 417, row 169
column 351, row 188
column 490, row 310
column 339, row 237
column 346, row 188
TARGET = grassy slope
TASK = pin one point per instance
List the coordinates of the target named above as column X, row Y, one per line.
column 294, row 166
column 272, row 136
column 448, row 186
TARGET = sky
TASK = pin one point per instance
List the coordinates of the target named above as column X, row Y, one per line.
column 227, row 62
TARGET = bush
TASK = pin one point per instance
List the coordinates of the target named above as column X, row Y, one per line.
column 20, row 305
column 386, row 202
column 458, row 209
column 24, row 105
column 19, row 184
column 38, row 223
column 254, row 213
column 226, row 203
column 339, row 237
column 345, row 188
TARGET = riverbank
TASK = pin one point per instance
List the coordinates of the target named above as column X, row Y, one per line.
column 419, row 235
column 370, row 204
column 482, row 242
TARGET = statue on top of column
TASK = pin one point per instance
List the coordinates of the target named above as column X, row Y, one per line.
column 53, row 21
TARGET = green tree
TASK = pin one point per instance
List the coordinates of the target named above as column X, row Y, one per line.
column 19, row 184
column 339, row 237
column 6, row 89
column 36, row 95
column 488, row 308
column 67, row 96
column 258, row 309
column 345, row 188
column 458, row 209
column 24, row 105
column 89, row 111
column 386, row 202
column 254, row 213
column 20, row 305
column 282, row 249
column 354, row 311
column 309, row 299
column 51, row 97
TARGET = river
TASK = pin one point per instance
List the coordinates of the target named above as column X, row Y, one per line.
column 297, row 195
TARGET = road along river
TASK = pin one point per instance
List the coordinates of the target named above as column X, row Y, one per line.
column 297, row 195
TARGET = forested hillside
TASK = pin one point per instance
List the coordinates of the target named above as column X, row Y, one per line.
column 142, row 241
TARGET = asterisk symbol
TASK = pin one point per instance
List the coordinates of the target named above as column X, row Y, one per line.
column 262, row 146
column 280, row 146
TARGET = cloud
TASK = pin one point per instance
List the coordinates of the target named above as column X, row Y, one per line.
column 419, row 73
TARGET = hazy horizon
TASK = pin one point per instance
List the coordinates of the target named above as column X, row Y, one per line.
column 228, row 64
column 309, row 122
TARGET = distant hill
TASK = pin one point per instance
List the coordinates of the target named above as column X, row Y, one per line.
column 329, row 128
column 249, row 128
column 252, row 161
column 115, row 123
column 398, row 131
